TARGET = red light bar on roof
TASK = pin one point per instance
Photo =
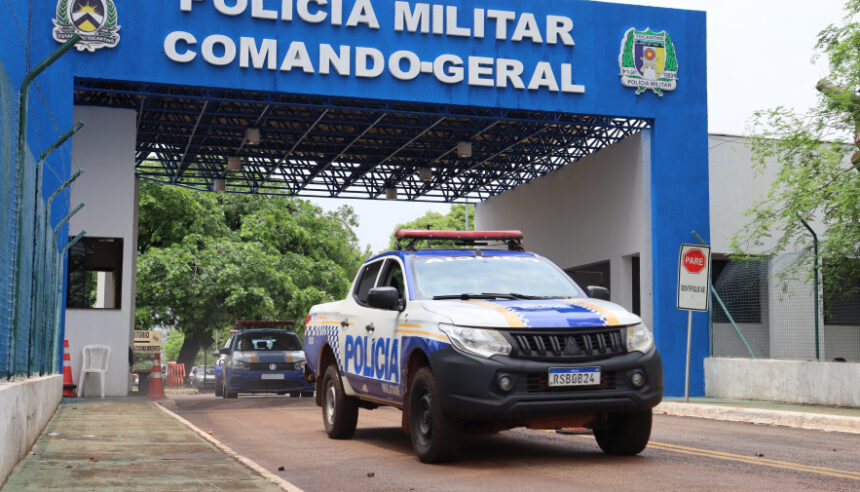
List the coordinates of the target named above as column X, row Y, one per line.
column 514, row 239
column 458, row 235
column 265, row 324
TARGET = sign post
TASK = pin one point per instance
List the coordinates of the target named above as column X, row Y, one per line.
column 694, row 281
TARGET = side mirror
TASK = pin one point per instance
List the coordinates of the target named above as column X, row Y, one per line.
column 384, row 298
column 598, row 292
column 224, row 351
column 216, row 353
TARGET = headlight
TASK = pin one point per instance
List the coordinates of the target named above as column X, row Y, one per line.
column 475, row 341
column 240, row 363
column 639, row 338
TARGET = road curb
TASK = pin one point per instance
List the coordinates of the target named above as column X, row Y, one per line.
column 798, row 420
column 280, row 482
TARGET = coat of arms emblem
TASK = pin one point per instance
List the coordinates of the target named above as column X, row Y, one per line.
column 648, row 61
column 94, row 20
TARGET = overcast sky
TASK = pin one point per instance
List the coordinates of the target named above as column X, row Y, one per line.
column 759, row 54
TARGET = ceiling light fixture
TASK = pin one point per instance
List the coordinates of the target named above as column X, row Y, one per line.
column 464, row 150
column 252, row 136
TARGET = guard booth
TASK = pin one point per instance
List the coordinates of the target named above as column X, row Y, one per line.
column 582, row 123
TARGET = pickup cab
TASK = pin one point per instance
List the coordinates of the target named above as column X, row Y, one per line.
column 480, row 339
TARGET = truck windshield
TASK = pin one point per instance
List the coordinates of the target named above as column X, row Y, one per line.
column 268, row 341
column 489, row 276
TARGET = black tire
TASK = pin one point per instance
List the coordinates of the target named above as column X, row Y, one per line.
column 624, row 433
column 307, row 394
column 218, row 387
column 435, row 435
column 224, row 392
column 294, row 394
column 339, row 411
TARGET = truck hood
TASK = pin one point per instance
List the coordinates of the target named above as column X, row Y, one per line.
column 540, row 313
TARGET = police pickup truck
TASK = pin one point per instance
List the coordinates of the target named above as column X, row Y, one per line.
column 481, row 339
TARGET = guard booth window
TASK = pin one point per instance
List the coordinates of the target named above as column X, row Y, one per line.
column 95, row 274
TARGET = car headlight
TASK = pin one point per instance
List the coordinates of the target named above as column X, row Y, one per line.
column 240, row 363
column 476, row 341
column 639, row 338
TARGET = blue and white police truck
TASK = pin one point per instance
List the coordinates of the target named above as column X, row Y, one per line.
column 481, row 339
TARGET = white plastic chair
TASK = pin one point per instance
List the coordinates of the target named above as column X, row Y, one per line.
column 95, row 360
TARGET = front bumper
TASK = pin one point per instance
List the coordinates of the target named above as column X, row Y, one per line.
column 243, row 381
column 469, row 386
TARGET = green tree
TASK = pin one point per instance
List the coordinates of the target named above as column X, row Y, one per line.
column 454, row 220
column 207, row 261
column 818, row 177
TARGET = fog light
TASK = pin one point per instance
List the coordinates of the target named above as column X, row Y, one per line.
column 505, row 383
column 637, row 378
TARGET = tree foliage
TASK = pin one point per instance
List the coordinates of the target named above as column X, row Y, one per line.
column 207, row 261
column 816, row 178
column 454, row 220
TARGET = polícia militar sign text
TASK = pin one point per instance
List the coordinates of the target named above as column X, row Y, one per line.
column 282, row 54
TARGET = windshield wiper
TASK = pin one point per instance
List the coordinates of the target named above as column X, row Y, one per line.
column 485, row 295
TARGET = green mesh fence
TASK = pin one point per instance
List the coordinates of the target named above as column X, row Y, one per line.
column 8, row 109
column 29, row 264
column 772, row 304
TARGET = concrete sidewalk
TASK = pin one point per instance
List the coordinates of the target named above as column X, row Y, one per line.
column 132, row 444
column 811, row 417
column 127, row 444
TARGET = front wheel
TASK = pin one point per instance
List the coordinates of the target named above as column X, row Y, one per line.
column 624, row 433
column 340, row 411
column 224, row 392
column 217, row 388
column 435, row 435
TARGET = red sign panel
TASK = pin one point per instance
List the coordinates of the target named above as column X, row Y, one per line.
column 694, row 261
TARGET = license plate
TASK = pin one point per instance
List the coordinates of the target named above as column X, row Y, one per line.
column 272, row 376
column 574, row 376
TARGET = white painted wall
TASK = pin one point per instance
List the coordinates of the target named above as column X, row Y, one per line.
column 590, row 211
column 104, row 149
column 25, row 408
column 818, row 383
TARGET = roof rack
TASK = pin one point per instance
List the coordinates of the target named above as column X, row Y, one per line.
column 513, row 239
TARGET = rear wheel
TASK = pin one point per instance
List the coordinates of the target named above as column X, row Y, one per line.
column 624, row 433
column 340, row 411
column 435, row 435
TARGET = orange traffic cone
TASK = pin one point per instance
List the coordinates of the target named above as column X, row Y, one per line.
column 68, row 384
column 156, row 380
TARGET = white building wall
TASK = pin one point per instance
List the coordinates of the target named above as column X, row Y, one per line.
column 104, row 149
column 590, row 211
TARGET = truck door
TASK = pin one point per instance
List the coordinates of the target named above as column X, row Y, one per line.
column 356, row 316
column 370, row 352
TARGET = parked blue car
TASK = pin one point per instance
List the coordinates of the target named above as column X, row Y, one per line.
column 262, row 361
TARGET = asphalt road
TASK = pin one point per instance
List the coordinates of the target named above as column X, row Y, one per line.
column 684, row 454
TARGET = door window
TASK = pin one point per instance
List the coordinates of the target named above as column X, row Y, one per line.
column 366, row 281
column 393, row 277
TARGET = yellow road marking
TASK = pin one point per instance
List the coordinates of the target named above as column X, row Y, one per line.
column 423, row 334
column 758, row 461
column 513, row 320
column 721, row 455
column 409, row 325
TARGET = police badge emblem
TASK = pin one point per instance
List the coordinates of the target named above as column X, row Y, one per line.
column 94, row 20
column 648, row 61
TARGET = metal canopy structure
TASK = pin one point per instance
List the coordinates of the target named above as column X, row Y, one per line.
column 346, row 147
